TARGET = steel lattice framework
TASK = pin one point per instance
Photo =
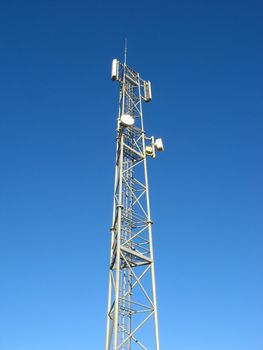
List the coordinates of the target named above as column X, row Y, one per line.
column 132, row 319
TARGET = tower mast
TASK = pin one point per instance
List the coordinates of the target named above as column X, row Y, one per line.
column 132, row 318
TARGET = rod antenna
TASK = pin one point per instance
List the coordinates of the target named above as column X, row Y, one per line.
column 125, row 51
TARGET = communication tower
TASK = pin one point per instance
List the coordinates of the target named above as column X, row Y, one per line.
column 132, row 318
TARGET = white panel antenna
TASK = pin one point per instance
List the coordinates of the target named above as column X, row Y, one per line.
column 159, row 145
column 115, row 69
column 147, row 91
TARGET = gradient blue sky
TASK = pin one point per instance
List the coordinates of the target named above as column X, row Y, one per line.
column 57, row 133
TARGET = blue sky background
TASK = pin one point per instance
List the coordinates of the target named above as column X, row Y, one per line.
column 58, row 111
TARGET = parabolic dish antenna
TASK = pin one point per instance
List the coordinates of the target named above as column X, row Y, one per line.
column 127, row 120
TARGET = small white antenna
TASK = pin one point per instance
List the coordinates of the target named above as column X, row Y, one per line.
column 125, row 51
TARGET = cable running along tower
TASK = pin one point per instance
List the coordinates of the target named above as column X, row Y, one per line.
column 132, row 319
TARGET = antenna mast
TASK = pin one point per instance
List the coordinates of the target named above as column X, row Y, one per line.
column 125, row 51
column 132, row 318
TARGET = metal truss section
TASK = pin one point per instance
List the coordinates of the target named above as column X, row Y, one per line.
column 132, row 320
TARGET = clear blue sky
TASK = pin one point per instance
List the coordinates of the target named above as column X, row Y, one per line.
column 57, row 148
